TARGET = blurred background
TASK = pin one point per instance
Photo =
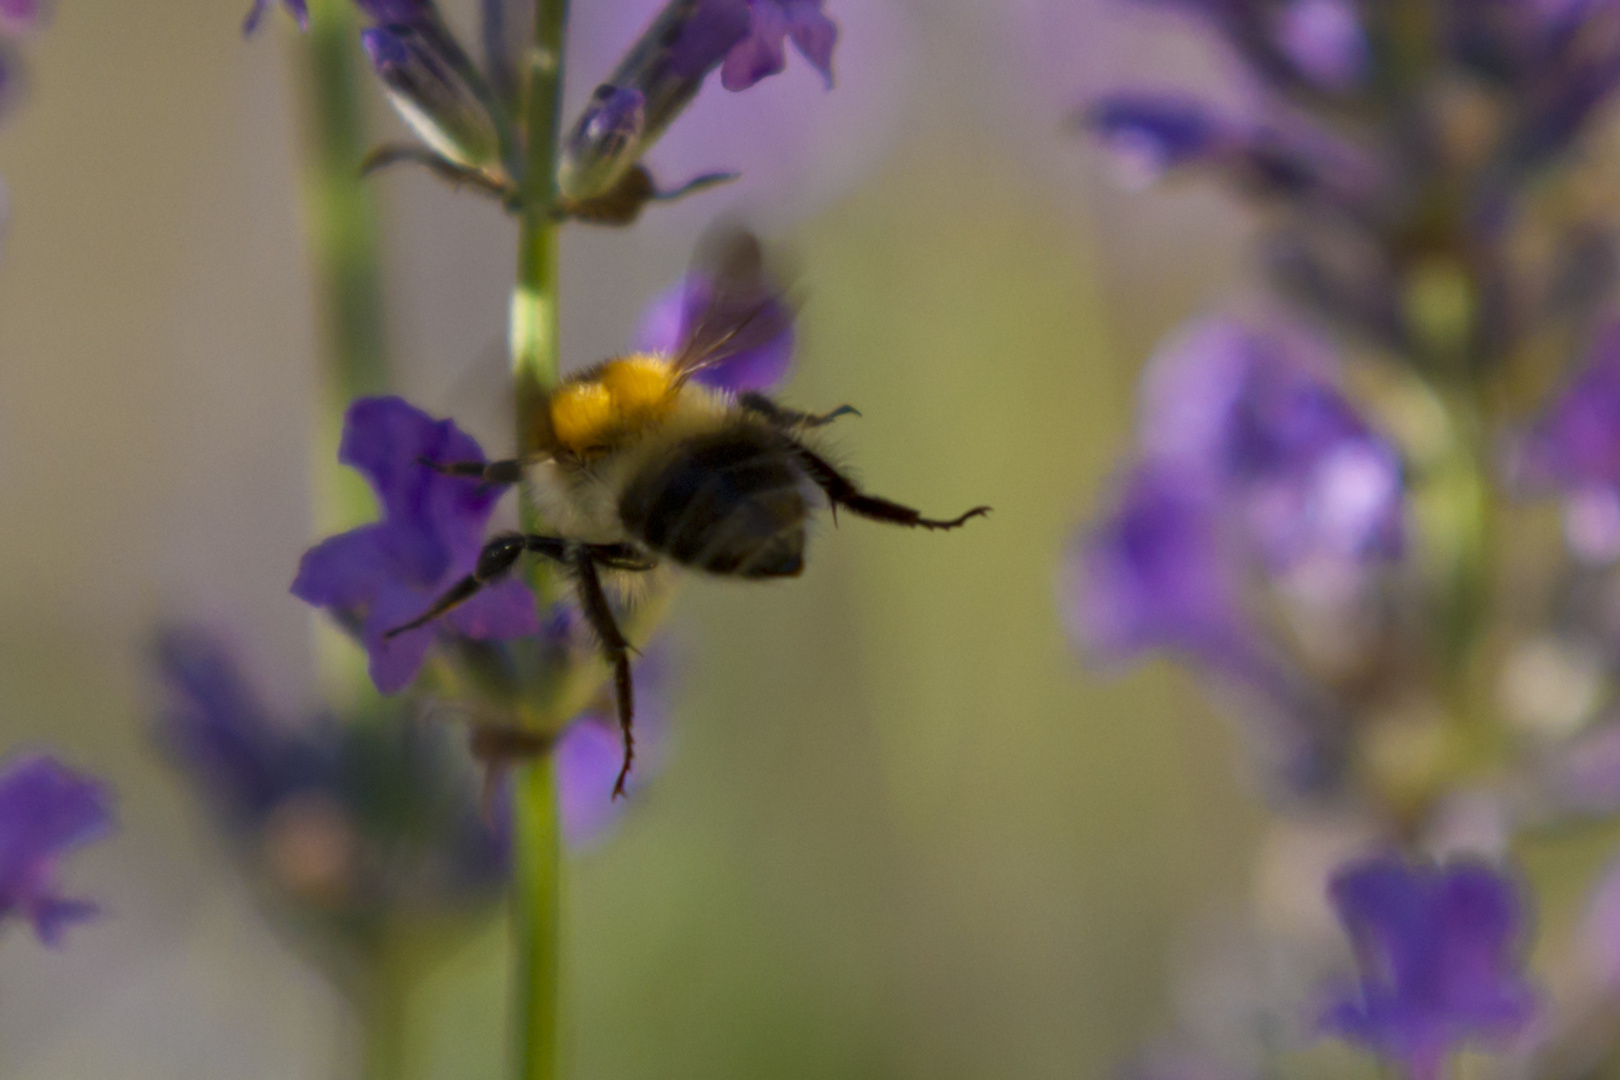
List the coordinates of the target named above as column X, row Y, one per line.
column 901, row 831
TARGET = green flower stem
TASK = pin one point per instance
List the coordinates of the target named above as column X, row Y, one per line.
column 536, row 895
column 341, row 223
column 384, row 1017
column 342, row 211
column 536, row 918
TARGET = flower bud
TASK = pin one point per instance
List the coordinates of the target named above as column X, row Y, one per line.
column 431, row 92
column 657, row 78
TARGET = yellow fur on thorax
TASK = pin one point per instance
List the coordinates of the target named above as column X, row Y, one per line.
column 617, row 400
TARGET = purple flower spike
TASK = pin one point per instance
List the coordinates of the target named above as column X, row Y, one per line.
column 1257, row 417
column 1440, row 951
column 45, row 811
column 764, row 53
column 1155, row 574
column 432, row 530
column 665, row 323
column 299, row 9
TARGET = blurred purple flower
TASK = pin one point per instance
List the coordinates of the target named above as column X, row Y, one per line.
column 384, row 575
column 764, row 53
column 1155, row 573
column 364, row 819
column 1574, row 448
column 1151, row 134
column 1440, row 952
column 46, row 810
column 19, row 17
column 1325, row 42
column 1254, row 417
column 1576, row 444
column 590, row 753
column 665, row 322
column 298, row 9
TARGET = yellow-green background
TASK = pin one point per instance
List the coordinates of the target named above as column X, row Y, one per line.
column 902, row 831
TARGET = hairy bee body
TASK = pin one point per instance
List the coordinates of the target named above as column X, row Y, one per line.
column 638, row 462
column 674, row 468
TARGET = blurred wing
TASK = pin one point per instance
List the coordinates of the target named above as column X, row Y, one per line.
column 744, row 308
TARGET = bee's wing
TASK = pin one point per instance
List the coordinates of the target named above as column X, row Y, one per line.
column 745, row 308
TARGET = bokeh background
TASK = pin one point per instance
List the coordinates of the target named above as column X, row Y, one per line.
column 902, row 831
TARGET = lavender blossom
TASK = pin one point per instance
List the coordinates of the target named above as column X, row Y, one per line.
column 19, row 17
column 763, row 53
column 665, row 322
column 361, row 820
column 380, row 576
column 1157, row 572
column 46, row 810
column 1574, row 449
column 298, row 9
column 590, row 752
column 1255, row 417
column 661, row 74
column 1440, row 951
column 1325, row 42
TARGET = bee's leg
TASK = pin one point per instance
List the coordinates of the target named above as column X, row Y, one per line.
column 841, row 491
column 509, row 471
column 594, row 602
column 497, row 558
column 763, row 406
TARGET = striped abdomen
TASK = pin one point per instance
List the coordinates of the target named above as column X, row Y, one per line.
column 728, row 503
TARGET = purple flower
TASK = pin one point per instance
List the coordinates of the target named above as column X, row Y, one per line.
column 590, row 753
column 763, row 52
column 45, row 811
column 386, row 574
column 19, row 17
column 667, row 319
column 299, row 9
column 1151, row 134
column 1440, row 953
column 1255, row 416
column 1576, row 444
column 1324, row 40
column 363, row 819
column 1156, row 573
column 1574, row 448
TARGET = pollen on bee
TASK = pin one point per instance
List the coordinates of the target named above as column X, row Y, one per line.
column 581, row 414
column 626, row 394
column 639, row 384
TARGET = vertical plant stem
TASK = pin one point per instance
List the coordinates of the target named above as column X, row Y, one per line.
column 341, row 221
column 384, row 1017
column 536, row 895
column 536, row 919
column 342, row 212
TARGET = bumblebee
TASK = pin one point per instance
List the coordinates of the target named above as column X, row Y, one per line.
column 638, row 464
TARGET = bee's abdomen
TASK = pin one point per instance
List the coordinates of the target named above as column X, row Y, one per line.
column 729, row 503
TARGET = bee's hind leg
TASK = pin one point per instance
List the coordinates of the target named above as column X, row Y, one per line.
column 780, row 417
column 593, row 601
column 841, row 491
